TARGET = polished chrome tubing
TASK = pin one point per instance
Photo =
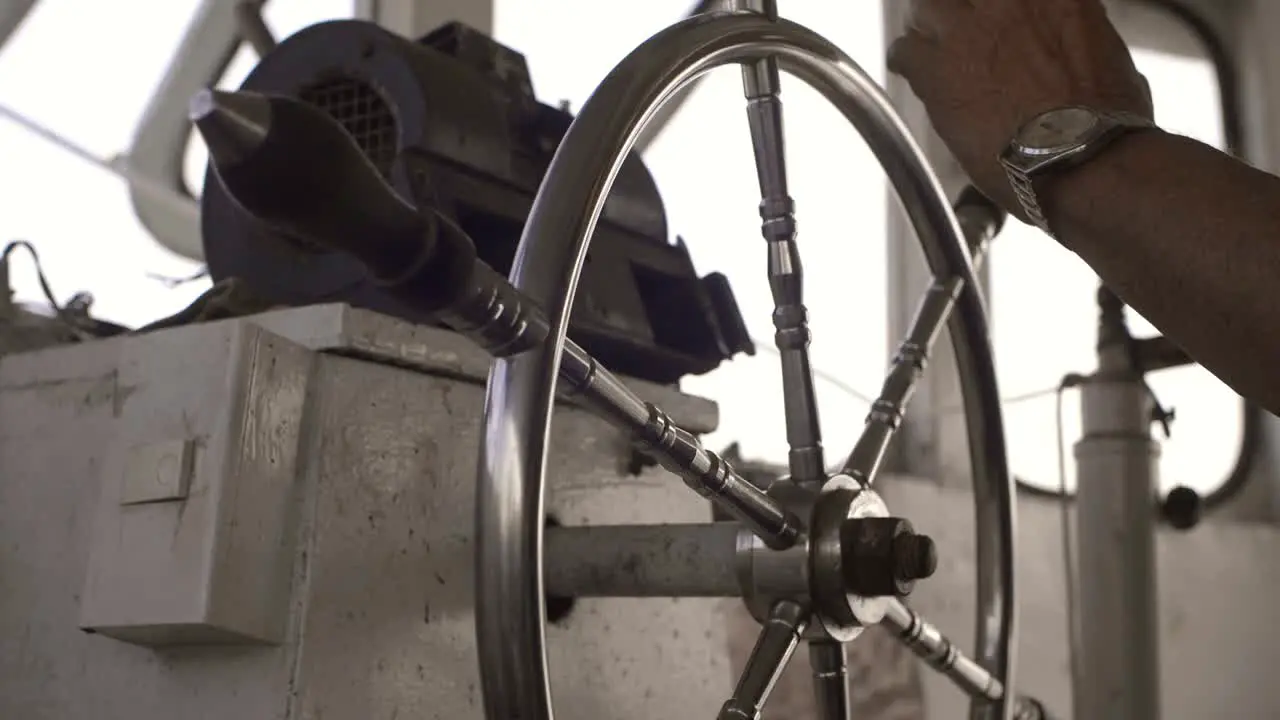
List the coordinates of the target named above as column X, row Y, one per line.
column 905, row 371
column 761, row 84
column 677, row 449
column 933, row 647
column 521, row 391
column 908, row 366
column 497, row 317
column 777, row 641
column 830, row 668
column 928, row 642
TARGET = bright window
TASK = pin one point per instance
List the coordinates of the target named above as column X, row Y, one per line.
column 86, row 70
column 704, row 168
column 1044, row 320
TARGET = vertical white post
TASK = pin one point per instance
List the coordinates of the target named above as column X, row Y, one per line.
column 1116, row 483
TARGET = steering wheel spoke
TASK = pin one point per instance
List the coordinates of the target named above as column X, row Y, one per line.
column 778, row 639
column 940, row 653
column 676, row 449
column 928, row 642
column 980, row 222
column 761, row 85
column 830, row 668
column 905, row 371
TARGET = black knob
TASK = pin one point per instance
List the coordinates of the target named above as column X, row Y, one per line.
column 884, row 556
column 1025, row 708
column 289, row 165
column 1182, row 508
column 915, row 557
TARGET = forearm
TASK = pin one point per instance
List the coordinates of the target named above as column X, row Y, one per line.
column 1190, row 238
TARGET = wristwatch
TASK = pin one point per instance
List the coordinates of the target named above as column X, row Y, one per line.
column 1056, row 140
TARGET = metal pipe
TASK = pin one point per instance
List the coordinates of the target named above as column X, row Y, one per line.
column 254, row 28
column 1159, row 353
column 905, row 371
column 510, row 633
column 1116, row 481
column 930, row 645
column 642, row 561
column 773, row 649
column 830, row 680
column 928, row 642
column 980, row 221
column 677, row 449
column 761, row 85
column 157, row 150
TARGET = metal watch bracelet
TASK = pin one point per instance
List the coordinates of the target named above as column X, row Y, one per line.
column 1024, row 188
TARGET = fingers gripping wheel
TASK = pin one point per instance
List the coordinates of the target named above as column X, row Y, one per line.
column 819, row 556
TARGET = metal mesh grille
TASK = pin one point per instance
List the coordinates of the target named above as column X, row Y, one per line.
column 362, row 112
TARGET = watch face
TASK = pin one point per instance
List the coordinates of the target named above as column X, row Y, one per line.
column 1056, row 131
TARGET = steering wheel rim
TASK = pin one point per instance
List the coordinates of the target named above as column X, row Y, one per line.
column 510, row 612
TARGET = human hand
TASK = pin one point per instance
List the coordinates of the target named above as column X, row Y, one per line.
column 983, row 68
